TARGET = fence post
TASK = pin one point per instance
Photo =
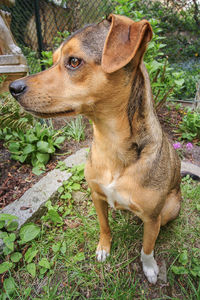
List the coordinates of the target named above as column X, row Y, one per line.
column 39, row 31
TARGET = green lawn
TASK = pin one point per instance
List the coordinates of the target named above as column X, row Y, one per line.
column 64, row 253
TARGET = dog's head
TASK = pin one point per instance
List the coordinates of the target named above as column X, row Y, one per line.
column 88, row 68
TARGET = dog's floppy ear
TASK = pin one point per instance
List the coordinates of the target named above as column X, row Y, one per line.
column 125, row 38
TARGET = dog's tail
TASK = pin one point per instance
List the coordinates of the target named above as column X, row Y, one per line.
column 193, row 176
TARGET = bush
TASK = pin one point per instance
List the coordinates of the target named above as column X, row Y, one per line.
column 35, row 146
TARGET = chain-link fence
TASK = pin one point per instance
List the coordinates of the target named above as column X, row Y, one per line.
column 38, row 25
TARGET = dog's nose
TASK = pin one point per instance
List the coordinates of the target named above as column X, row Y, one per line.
column 17, row 88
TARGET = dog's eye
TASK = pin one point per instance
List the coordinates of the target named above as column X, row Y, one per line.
column 74, row 62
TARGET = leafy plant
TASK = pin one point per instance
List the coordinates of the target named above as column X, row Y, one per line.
column 47, row 59
column 12, row 115
column 186, row 265
column 35, row 146
column 61, row 36
column 190, row 126
column 75, row 129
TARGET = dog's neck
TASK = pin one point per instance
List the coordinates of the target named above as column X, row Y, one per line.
column 127, row 124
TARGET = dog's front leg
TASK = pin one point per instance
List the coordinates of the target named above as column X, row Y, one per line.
column 103, row 248
column 151, row 231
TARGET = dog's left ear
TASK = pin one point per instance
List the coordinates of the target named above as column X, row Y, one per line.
column 125, row 38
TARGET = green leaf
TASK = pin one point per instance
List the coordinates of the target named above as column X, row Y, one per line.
column 5, row 266
column 43, row 157
column 6, row 217
column 9, row 243
column 183, row 258
column 75, row 186
column 66, row 196
column 54, row 216
column 43, row 147
column 29, row 148
column 14, row 147
column 56, row 247
column 27, row 292
column 31, row 138
column 63, row 248
column 28, row 233
column 9, row 285
column 2, row 224
column 31, row 268
column 44, row 263
column 179, row 82
column 30, row 254
column 38, row 170
column 12, row 226
column 61, row 189
column 60, row 140
column 16, row 256
column 179, row 270
column 79, row 257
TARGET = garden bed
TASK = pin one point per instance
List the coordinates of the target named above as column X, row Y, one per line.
column 16, row 178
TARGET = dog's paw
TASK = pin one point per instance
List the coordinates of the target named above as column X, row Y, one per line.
column 101, row 255
column 150, row 267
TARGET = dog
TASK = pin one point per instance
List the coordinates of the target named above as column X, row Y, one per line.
column 99, row 72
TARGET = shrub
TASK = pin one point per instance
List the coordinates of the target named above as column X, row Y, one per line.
column 35, row 146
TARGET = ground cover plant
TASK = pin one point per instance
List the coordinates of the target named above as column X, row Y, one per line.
column 54, row 258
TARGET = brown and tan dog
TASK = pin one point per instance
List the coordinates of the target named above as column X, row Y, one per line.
column 99, row 72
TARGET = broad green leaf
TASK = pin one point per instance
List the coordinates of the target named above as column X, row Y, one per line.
column 28, row 233
column 30, row 254
column 6, row 217
column 37, row 170
column 79, row 257
column 43, row 157
column 44, row 263
column 5, row 266
column 60, row 140
column 63, row 248
column 56, row 247
column 54, row 216
column 43, row 146
column 16, row 256
column 66, row 196
column 31, row 268
column 9, row 285
column 12, row 226
column 75, row 186
column 28, row 149
column 9, row 243
column 61, row 189
column 183, row 258
column 179, row 82
column 179, row 270
column 13, row 147
column 31, row 138
column 2, row 224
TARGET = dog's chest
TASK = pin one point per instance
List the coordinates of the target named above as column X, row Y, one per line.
column 114, row 198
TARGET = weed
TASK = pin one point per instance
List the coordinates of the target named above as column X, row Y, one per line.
column 190, row 126
column 75, row 129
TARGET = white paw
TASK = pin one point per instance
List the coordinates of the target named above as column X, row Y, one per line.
column 101, row 255
column 150, row 267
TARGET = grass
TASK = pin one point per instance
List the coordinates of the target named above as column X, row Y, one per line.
column 69, row 243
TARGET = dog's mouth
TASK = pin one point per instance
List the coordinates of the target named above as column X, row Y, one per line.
column 51, row 114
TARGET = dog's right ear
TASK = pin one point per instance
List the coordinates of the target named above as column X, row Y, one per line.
column 124, row 41
column 57, row 54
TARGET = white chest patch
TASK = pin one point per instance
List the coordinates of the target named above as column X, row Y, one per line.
column 113, row 197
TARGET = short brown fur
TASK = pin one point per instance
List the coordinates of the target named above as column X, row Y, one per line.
column 129, row 149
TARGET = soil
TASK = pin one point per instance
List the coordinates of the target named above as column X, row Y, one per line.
column 16, row 178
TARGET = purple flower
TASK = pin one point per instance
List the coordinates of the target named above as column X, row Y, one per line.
column 189, row 146
column 177, row 145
